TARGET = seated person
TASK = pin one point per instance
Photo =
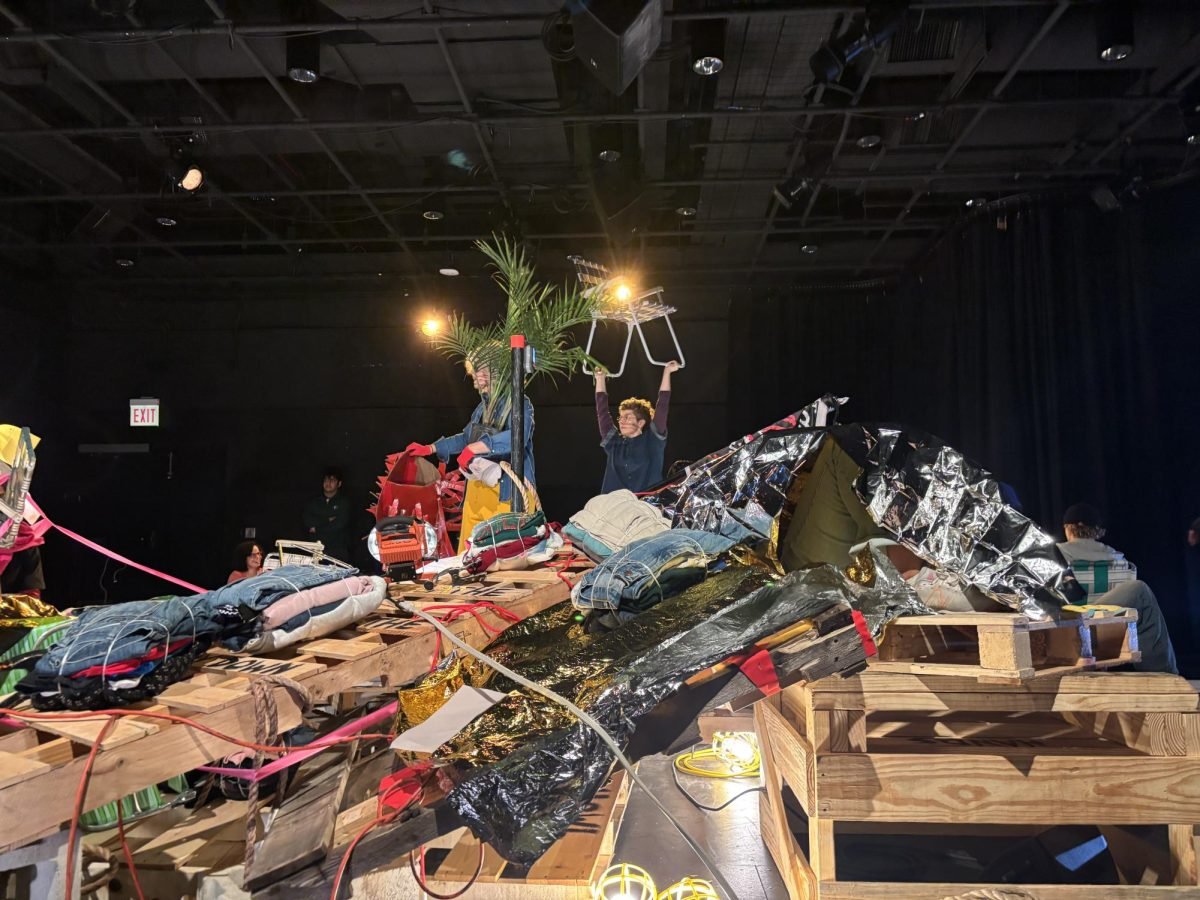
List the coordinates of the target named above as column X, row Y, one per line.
column 247, row 561
column 1084, row 527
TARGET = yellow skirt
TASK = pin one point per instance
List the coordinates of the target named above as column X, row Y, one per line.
column 479, row 505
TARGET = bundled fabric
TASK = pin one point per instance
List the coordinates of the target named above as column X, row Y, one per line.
column 507, row 526
column 511, row 540
column 747, row 482
column 649, row 570
column 341, row 603
column 611, row 521
column 538, row 768
column 149, row 644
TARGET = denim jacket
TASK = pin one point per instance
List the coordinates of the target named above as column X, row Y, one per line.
column 499, row 446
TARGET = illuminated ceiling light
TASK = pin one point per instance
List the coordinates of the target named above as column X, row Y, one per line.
column 1114, row 30
column 867, row 141
column 788, row 192
column 623, row 292
column 624, row 881
column 431, row 327
column 686, row 211
column 304, row 58
column 124, row 262
column 976, row 202
column 610, row 156
column 448, row 271
column 166, row 221
column 810, row 249
column 184, row 173
column 433, row 215
column 708, row 65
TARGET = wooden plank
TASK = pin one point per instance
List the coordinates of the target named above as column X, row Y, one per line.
column 252, row 666
column 792, row 755
column 1135, row 683
column 14, row 768
column 892, row 890
column 460, row 864
column 301, row 831
column 188, row 697
column 331, row 648
column 772, row 817
column 1044, row 789
column 1003, row 648
column 1158, row 734
column 85, row 731
column 1181, row 840
column 570, row 860
column 821, row 848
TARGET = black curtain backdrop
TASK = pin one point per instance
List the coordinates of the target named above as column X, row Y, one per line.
column 1054, row 344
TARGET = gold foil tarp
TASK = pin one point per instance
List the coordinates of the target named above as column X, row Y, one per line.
column 553, row 650
column 419, row 703
column 23, row 611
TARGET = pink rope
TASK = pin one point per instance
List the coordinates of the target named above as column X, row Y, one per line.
column 298, row 756
column 92, row 545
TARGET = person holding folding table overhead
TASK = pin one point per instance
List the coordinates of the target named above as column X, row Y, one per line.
column 636, row 443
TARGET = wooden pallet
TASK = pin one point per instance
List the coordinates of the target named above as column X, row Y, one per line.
column 567, row 869
column 904, row 753
column 1006, row 647
column 40, row 766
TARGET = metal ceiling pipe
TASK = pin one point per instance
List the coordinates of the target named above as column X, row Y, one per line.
column 436, row 118
column 405, row 26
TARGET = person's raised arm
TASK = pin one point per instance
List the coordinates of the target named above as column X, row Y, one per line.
column 663, row 406
column 604, row 419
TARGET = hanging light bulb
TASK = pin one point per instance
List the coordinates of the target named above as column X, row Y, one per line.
column 624, row 881
column 431, row 327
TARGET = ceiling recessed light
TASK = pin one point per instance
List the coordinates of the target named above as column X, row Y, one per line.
column 1116, row 52
column 976, row 202
column 610, row 155
column 124, row 262
column 448, row 271
column 166, row 221
column 708, row 65
column 433, row 215
column 302, row 75
column 686, row 211
column 867, row 141
column 810, row 249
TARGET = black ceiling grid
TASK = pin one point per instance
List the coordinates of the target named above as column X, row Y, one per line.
column 428, row 128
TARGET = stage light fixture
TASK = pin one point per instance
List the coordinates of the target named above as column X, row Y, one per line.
column 789, row 191
column 431, row 327
column 166, row 221
column 708, row 65
column 869, row 31
column 610, row 156
column 124, row 262
column 809, row 249
column 868, row 141
column 976, row 202
column 1193, row 140
column 304, row 58
column 622, row 291
column 686, row 211
column 185, row 174
column 448, row 271
column 1114, row 30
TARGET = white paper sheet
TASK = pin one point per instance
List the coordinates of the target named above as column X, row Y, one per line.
column 467, row 704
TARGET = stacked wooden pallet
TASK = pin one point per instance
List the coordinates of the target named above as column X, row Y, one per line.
column 898, row 753
column 41, row 766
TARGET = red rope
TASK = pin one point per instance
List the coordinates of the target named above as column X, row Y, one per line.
column 456, row 611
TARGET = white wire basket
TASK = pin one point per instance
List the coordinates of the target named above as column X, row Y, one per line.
column 300, row 553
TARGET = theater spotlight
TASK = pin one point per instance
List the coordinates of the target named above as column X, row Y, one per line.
column 185, row 174
column 789, row 191
column 304, row 58
column 869, row 31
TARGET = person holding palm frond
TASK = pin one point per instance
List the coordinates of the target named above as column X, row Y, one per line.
column 544, row 314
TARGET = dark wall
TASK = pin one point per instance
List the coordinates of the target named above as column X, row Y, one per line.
column 1054, row 344
column 259, row 394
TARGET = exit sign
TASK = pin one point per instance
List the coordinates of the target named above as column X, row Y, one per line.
column 143, row 413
